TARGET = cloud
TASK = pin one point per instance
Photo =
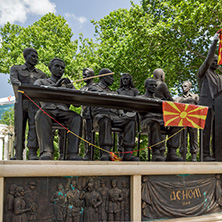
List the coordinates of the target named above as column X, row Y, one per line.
column 17, row 10
column 80, row 19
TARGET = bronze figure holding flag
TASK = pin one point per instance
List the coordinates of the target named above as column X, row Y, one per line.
column 210, row 83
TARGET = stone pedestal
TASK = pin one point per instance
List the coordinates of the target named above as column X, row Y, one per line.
column 24, row 172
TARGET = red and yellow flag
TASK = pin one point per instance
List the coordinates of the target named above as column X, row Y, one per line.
column 182, row 114
column 220, row 49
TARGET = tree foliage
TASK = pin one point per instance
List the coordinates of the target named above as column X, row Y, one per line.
column 50, row 36
column 7, row 117
column 173, row 35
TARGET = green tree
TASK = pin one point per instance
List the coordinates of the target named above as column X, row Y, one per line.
column 173, row 35
column 7, row 117
column 50, row 36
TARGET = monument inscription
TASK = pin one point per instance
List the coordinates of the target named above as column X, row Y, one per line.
column 180, row 196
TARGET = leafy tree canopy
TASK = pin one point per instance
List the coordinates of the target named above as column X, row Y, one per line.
column 7, row 117
column 50, row 36
column 169, row 34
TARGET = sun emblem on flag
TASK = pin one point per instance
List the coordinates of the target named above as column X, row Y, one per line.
column 181, row 114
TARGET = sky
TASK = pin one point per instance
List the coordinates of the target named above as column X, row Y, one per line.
column 77, row 13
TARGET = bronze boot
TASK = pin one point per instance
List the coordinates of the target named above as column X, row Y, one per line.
column 156, row 155
column 172, row 155
column 33, row 154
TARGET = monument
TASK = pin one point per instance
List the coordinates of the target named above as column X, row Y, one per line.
column 106, row 190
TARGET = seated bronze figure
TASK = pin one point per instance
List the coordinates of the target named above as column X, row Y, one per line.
column 60, row 112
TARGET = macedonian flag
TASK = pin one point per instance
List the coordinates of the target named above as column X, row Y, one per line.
column 220, row 48
column 182, row 114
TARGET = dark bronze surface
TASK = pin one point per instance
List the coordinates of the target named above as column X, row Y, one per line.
column 105, row 119
column 189, row 98
column 60, row 112
column 26, row 74
column 218, row 127
column 153, row 124
column 176, row 196
column 72, row 96
column 67, row 199
column 86, row 115
column 77, row 97
column 210, row 83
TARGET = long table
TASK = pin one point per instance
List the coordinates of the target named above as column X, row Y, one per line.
column 77, row 98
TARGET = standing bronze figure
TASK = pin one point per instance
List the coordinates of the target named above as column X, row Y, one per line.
column 189, row 98
column 209, row 84
column 74, row 203
column 115, row 199
column 20, row 208
column 125, row 204
column 32, row 201
column 103, row 190
column 26, row 74
column 59, row 203
column 162, row 92
column 92, row 201
column 9, row 206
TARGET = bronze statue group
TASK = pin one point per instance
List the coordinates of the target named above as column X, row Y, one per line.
column 103, row 120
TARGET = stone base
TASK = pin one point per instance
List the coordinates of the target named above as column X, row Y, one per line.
column 205, row 218
column 134, row 170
